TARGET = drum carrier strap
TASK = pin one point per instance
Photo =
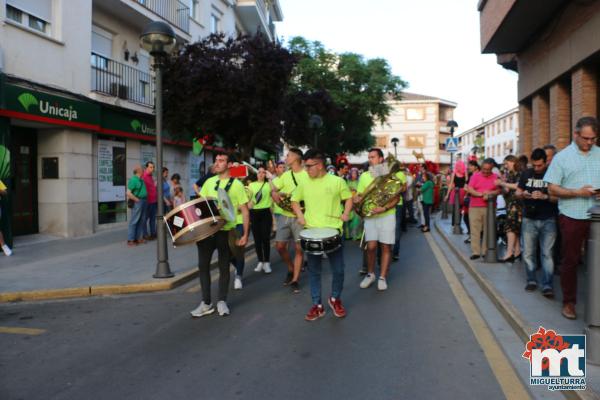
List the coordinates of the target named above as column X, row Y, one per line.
column 227, row 187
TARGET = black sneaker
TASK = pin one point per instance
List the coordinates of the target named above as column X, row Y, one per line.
column 475, row 257
column 395, row 258
column 468, row 240
column 288, row 279
column 295, row 287
column 531, row 287
column 548, row 293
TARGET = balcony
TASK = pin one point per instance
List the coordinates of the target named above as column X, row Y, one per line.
column 113, row 78
column 173, row 11
column 257, row 15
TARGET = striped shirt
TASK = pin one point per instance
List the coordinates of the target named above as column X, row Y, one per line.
column 572, row 169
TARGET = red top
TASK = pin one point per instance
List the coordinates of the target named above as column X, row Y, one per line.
column 150, row 187
column 481, row 184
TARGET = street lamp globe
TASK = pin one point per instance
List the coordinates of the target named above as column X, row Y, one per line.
column 158, row 38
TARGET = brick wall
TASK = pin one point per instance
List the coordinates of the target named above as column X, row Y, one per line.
column 560, row 114
column 540, row 115
column 584, row 92
column 525, row 128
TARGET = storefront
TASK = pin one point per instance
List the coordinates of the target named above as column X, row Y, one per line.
column 66, row 160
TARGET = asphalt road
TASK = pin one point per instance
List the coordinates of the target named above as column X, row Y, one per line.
column 412, row 342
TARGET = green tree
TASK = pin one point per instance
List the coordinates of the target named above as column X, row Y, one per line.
column 349, row 92
column 230, row 87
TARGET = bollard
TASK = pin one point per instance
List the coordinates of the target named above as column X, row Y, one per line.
column 445, row 209
column 592, row 305
column 491, row 256
column 456, row 228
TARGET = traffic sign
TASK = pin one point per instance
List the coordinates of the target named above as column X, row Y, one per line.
column 452, row 145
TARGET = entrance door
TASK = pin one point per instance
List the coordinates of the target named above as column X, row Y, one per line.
column 24, row 192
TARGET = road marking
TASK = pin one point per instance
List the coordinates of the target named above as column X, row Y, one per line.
column 21, row 331
column 215, row 273
column 506, row 376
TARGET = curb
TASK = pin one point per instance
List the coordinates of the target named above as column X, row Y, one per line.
column 508, row 310
column 106, row 290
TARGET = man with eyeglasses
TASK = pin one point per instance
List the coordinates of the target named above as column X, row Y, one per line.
column 287, row 225
column 574, row 177
column 323, row 194
column 220, row 240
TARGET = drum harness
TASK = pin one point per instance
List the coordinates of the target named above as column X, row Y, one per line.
column 227, row 187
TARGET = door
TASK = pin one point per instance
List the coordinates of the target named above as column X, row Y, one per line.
column 24, row 190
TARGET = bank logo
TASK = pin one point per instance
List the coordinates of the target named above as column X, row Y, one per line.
column 136, row 125
column 27, row 100
column 556, row 361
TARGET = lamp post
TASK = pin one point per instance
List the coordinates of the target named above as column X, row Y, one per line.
column 452, row 125
column 315, row 122
column 395, row 143
column 456, row 228
column 158, row 38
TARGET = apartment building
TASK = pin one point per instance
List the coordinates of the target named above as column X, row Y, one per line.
column 471, row 143
column 419, row 124
column 77, row 98
column 551, row 45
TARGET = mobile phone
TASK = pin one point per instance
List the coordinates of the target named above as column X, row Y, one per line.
column 241, row 171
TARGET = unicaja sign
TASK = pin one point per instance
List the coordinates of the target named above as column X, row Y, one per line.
column 28, row 101
column 557, row 361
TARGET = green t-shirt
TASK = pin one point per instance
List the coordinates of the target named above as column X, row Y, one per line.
column 323, row 201
column 285, row 184
column 427, row 192
column 236, row 193
column 365, row 180
column 266, row 201
column 137, row 187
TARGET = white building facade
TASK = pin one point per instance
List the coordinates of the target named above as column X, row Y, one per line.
column 502, row 135
column 419, row 124
column 77, row 98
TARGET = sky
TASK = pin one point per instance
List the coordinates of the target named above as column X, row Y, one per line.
column 434, row 45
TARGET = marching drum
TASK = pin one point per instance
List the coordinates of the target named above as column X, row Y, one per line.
column 194, row 221
column 320, row 240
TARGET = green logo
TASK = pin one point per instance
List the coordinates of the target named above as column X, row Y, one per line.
column 136, row 125
column 27, row 100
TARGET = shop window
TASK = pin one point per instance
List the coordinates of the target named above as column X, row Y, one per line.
column 112, row 181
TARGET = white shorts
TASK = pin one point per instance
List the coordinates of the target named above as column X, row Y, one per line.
column 381, row 229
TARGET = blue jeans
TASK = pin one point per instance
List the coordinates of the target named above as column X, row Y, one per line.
column 151, row 218
column 399, row 223
column 136, row 222
column 541, row 231
column 336, row 261
column 239, row 264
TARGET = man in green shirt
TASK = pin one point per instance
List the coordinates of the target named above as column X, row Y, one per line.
column 287, row 225
column 136, row 192
column 322, row 195
column 220, row 240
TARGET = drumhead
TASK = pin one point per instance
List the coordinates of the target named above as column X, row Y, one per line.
column 318, row 233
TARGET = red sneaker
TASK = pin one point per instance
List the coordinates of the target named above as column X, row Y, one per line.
column 315, row 312
column 337, row 307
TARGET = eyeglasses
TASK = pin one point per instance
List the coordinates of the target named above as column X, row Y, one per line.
column 307, row 166
column 588, row 139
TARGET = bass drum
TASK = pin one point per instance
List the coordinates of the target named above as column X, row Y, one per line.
column 320, row 240
column 194, row 221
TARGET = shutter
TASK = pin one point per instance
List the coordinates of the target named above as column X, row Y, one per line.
column 41, row 9
column 101, row 42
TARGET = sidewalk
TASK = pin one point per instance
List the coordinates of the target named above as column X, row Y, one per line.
column 45, row 267
column 525, row 311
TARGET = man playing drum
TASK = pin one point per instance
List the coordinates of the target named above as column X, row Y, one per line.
column 287, row 225
column 322, row 195
column 380, row 227
column 220, row 240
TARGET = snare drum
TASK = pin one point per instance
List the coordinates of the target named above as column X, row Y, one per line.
column 320, row 240
column 194, row 221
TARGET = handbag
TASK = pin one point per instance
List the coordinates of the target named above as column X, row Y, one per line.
column 258, row 195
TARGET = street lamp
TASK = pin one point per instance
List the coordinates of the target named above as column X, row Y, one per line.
column 395, row 143
column 158, row 38
column 315, row 122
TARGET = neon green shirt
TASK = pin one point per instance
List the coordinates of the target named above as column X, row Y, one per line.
column 322, row 198
column 266, row 201
column 236, row 193
column 285, row 184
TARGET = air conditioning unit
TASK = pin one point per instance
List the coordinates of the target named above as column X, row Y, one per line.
column 119, row 90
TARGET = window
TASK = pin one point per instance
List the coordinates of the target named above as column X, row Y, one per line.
column 413, row 114
column 214, row 23
column 101, row 47
column 415, row 141
column 510, row 123
column 381, row 141
column 195, row 9
column 33, row 14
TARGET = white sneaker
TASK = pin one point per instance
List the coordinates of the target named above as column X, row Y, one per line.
column 6, row 250
column 267, row 268
column 381, row 283
column 367, row 281
column 202, row 310
column 259, row 267
column 222, row 308
column 237, row 284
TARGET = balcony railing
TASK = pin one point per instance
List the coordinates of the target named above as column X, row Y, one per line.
column 120, row 80
column 173, row 11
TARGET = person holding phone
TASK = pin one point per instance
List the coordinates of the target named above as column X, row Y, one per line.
column 261, row 219
column 574, row 177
